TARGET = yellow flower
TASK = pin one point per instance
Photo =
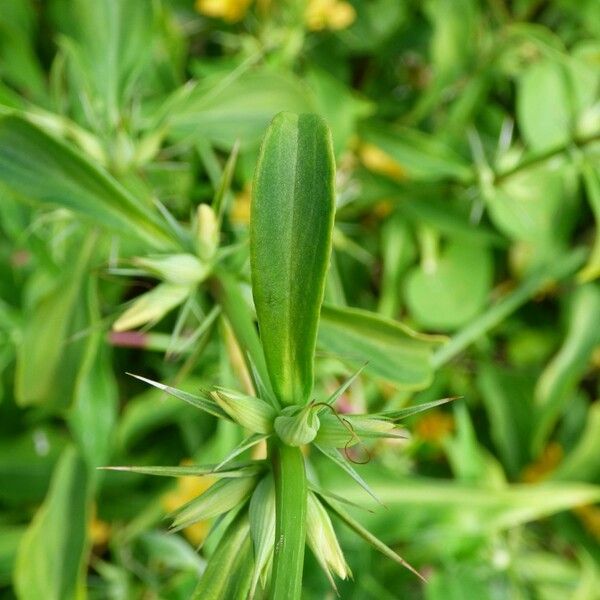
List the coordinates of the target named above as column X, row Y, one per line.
column 434, row 426
column 545, row 464
column 329, row 14
column 228, row 10
column 187, row 489
column 98, row 532
column 381, row 162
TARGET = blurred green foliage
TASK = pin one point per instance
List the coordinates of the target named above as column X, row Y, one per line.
column 467, row 140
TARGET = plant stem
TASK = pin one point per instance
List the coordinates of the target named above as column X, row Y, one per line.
column 290, row 521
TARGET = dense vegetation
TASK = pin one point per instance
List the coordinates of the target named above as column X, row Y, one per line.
column 465, row 264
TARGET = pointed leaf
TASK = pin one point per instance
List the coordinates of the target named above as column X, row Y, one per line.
column 368, row 536
column 229, row 571
column 335, row 456
column 204, row 402
column 290, row 244
column 323, row 542
column 250, row 441
column 262, row 527
column 220, row 498
column 409, row 411
column 240, row 470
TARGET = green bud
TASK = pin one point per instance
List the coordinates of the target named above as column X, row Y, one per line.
column 251, row 413
column 297, row 425
column 152, row 306
column 181, row 269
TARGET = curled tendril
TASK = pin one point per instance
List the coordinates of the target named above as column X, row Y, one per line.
column 353, row 435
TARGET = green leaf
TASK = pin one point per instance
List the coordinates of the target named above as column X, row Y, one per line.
column 220, row 498
column 233, row 106
column 321, row 538
column 203, row 402
column 46, row 332
column 392, row 351
column 452, row 290
column 228, row 574
column 262, row 528
column 244, row 445
column 544, row 108
column 591, row 182
column 555, row 271
column 291, row 228
column 581, row 464
column 337, row 459
column 420, row 156
column 563, row 372
column 95, row 405
column 234, row 471
column 43, row 169
column 409, row 411
column 50, row 559
column 367, row 535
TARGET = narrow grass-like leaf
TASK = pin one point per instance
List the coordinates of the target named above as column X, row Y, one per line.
column 409, row 411
column 220, row 498
column 235, row 307
column 244, row 445
column 262, row 528
column 591, row 181
column 564, row 371
column 225, row 183
column 342, row 389
column 51, row 555
column 323, row 542
column 290, row 245
column 235, row 471
column 46, row 170
column 335, row 457
column 203, row 402
column 392, row 351
column 368, row 536
column 229, row 570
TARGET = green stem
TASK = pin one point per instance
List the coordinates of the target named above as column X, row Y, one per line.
column 557, row 270
column 290, row 522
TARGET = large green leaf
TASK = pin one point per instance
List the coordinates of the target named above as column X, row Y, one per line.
column 392, row 351
column 237, row 106
column 451, row 291
column 45, row 170
column 50, row 557
column 291, row 228
column 46, row 335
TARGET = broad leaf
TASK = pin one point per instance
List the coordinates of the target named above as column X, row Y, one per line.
column 392, row 351
column 291, row 228
column 50, row 557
